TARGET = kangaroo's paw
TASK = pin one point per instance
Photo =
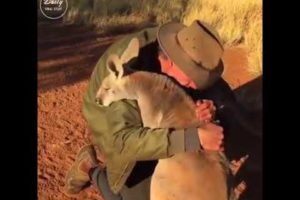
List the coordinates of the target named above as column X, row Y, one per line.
column 238, row 190
column 236, row 165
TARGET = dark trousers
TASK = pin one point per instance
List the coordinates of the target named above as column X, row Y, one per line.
column 141, row 191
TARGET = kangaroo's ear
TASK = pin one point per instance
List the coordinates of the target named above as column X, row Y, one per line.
column 131, row 51
column 115, row 66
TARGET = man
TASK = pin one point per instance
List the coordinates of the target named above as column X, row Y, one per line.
column 192, row 57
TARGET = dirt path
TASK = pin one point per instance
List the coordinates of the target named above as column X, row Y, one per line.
column 67, row 55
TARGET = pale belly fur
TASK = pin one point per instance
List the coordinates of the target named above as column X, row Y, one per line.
column 189, row 176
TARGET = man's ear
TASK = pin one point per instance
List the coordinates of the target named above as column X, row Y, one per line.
column 131, row 51
column 115, row 66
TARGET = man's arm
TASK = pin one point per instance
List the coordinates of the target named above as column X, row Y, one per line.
column 120, row 129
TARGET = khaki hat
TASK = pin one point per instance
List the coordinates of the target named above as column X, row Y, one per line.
column 197, row 50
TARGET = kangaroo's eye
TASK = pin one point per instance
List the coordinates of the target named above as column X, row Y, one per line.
column 106, row 89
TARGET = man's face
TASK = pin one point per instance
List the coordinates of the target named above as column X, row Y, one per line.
column 168, row 67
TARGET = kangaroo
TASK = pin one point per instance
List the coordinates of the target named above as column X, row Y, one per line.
column 163, row 104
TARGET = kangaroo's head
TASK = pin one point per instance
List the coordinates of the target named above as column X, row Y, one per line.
column 113, row 86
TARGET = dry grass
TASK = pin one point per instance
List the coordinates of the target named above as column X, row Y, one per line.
column 109, row 25
column 239, row 22
column 110, row 16
column 116, row 12
column 121, row 24
column 254, row 44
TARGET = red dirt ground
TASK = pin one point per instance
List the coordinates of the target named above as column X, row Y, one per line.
column 65, row 61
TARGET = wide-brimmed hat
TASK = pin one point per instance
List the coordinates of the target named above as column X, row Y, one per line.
column 197, row 50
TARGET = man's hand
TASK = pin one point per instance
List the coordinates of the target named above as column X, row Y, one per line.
column 211, row 137
column 205, row 110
